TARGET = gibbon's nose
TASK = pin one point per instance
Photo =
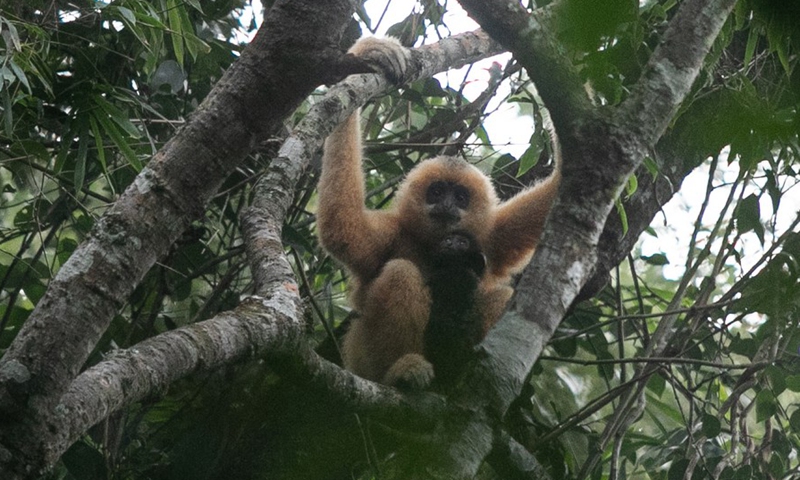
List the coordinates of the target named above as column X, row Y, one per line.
column 445, row 212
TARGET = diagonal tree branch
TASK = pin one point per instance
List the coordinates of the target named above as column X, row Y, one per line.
column 271, row 324
column 282, row 65
column 601, row 148
column 673, row 67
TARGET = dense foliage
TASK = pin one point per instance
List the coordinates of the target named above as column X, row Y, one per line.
column 685, row 365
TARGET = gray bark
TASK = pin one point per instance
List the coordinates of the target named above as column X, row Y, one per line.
column 290, row 56
column 270, row 324
column 600, row 149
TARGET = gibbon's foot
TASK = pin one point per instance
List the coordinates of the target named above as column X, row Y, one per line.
column 410, row 372
column 384, row 55
column 460, row 250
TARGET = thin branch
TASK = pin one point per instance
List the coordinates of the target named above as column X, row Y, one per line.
column 660, row 360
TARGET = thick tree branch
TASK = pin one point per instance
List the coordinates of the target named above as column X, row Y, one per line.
column 270, row 324
column 672, row 69
column 294, row 51
column 600, row 150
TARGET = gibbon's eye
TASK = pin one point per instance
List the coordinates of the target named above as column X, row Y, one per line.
column 436, row 192
column 461, row 195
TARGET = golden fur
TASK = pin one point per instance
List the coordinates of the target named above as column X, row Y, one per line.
column 384, row 250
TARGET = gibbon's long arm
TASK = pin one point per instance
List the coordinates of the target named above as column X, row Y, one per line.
column 357, row 237
column 519, row 223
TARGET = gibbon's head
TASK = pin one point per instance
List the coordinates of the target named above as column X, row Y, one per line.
column 443, row 195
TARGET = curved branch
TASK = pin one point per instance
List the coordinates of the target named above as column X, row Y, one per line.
column 291, row 55
column 256, row 328
column 271, row 324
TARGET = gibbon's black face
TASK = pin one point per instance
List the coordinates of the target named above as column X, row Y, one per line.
column 446, row 201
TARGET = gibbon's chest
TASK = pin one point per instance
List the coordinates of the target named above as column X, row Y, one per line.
column 408, row 247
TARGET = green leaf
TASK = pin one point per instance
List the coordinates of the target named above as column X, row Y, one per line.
column 651, row 166
column 196, row 5
column 80, row 163
column 793, row 383
column 711, row 426
column 778, row 44
column 431, row 87
column 744, row 346
column 98, row 141
column 8, row 117
column 567, row 347
column 727, row 474
column 748, row 217
column 766, row 405
column 777, row 379
column 657, row 384
column 656, row 259
column 111, row 130
column 752, row 40
column 84, row 461
column 20, row 74
column 529, row 159
column 193, row 44
column 119, row 117
column 632, row 185
column 776, row 467
column 623, row 216
column 66, row 246
column 677, row 469
column 127, row 14
column 744, row 472
column 794, row 421
column 11, row 36
column 176, row 30
column 169, row 73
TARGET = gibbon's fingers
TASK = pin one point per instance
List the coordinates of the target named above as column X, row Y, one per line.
column 385, row 55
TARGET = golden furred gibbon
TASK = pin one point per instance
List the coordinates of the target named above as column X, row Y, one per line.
column 437, row 264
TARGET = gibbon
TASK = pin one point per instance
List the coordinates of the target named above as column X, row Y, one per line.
column 446, row 235
column 454, row 324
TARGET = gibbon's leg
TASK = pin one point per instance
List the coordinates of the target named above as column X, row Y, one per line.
column 385, row 343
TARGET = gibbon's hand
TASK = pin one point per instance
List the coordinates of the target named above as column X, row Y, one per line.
column 384, row 55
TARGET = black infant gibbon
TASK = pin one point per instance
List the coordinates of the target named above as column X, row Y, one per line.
column 431, row 274
column 454, row 325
